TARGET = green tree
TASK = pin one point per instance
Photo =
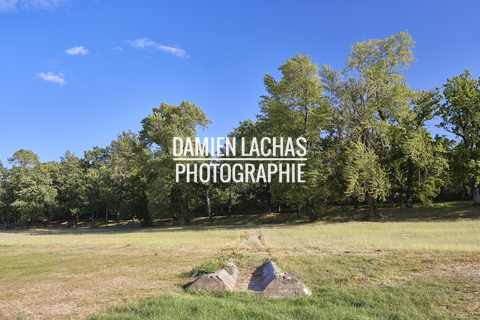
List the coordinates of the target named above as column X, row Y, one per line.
column 460, row 114
column 248, row 195
column 3, row 196
column 296, row 107
column 416, row 161
column 71, row 184
column 129, row 162
column 100, row 187
column 369, row 96
column 167, row 198
column 34, row 194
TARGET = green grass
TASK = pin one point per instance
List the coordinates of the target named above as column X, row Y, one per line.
column 442, row 236
column 328, row 303
column 209, row 266
column 356, row 270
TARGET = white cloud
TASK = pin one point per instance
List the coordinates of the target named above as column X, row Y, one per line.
column 145, row 43
column 12, row 5
column 52, row 77
column 141, row 43
column 77, row 50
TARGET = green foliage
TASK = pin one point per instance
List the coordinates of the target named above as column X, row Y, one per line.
column 24, row 159
column 364, row 173
column 295, row 105
column 209, row 266
column 370, row 98
column 461, row 110
column 32, row 189
column 461, row 116
column 417, row 162
column 169, row 121
column 166, row 198
column 128, row 164
column 3, row 192
column 71, row 185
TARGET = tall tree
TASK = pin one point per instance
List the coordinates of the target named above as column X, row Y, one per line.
column 369, row 97
column 296, row 107
column 128, row 162
column 250, row 195
column 33, row 191
column 71, row 187
column 3, row 199
column 461, row 116
column 166, row 197
column 100, row 186
column 416, row 161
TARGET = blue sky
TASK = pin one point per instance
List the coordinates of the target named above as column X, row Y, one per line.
column 75, row 73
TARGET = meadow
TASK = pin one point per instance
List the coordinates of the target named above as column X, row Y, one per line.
column 356, row 270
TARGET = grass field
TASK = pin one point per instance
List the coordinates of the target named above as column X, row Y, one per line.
column 356, row 270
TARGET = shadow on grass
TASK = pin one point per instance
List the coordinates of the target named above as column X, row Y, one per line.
column 340, row 214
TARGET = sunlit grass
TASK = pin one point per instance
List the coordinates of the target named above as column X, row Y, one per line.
column 201, row 238
column 455, row 236
column 356, row 270
column 71, row 273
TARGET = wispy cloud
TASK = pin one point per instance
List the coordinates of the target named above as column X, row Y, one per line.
column 13, row 5
column 52, row 77
column 8, row 5
column 80, row 50
column 145, row 43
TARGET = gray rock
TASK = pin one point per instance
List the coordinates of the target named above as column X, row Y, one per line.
column 221, row 280
column 273, row 282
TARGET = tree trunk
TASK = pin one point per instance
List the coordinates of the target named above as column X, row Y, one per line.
column 106, row 215
column 268, row 200
column 355, row 204
column 209, row 207
column 476, row 196
column 5, row 221
column 230, row 200
column 410, row 184
column 373, row 213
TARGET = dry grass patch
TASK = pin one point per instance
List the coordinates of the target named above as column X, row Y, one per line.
column 49, row 274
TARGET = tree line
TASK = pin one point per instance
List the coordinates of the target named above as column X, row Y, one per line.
column 366, row 135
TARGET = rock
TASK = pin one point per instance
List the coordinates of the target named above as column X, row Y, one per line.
column 221, row 280
column 276, row 283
